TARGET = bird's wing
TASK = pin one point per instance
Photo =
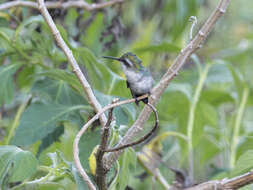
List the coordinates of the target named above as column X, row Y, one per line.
column 127, row 83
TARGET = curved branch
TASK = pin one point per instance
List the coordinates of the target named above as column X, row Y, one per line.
column 142, row 139
column 60, row 5
column 158, row 90
column 85, row 127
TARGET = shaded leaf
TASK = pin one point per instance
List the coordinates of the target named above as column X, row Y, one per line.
column 63, row 76
column 7, row 83
column 86, row 145
column 50, row 139
column 30, row 20
column 16, row 164
column 39, row 120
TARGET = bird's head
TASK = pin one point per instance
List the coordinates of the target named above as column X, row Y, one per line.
column 129, row 60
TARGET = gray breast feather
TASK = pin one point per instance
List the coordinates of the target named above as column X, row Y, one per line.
column 142, row 86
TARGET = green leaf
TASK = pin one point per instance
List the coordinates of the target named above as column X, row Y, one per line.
column 30, row 20
column 6, row 34
column 91, row 36
column 121, row 113
column 50, row 139
column 57, row 91
column 243, row 164
column 64, row 76
column 88, row 141
column 238, row 80
column 39, row 120
column 16, row 164
column 208, row 113
column 219, row 73
column 127, row 159
column 181, row 87
column 25, row 77
column 216, row 96
column 94, row 68
column 163, row 47
column 81, row 185
column 7, row 83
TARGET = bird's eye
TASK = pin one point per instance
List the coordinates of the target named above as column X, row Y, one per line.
column 128, row 63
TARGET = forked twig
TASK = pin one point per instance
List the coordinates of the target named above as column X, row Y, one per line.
column 100, row 169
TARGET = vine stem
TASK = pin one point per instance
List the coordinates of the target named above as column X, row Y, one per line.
column 238, row 121
column 191, row 117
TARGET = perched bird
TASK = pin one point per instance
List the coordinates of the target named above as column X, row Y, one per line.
column 139, row 79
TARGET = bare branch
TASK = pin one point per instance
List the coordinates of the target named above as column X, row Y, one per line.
column 225, row 184
column 60, row 5
column 142, row 139
column 158, row 90
column 85, row 127
column 86, row 86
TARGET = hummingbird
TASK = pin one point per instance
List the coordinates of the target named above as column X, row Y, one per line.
column 138, row 78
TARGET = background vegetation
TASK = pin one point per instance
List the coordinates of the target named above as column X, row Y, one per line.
column 42, row 105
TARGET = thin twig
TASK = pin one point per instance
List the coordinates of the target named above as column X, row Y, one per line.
column 194, row 21
column 85, row 127
column 86, row 86
column 100, row 170
column 159, row 89
column 60, row 5
column 142, row 139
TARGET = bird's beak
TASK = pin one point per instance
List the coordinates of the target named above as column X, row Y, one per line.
column 114, row 58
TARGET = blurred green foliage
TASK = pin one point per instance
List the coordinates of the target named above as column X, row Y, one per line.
column 42, row 104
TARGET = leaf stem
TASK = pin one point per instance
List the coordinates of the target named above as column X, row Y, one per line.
column 238, row 121
column 191, row 117
column 16, row 121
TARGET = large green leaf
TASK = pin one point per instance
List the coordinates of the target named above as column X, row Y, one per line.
column 98, row 74
column 58, row 90
column 16, row 164
column 39, row 120
column 6, row 82
column 50, row 139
